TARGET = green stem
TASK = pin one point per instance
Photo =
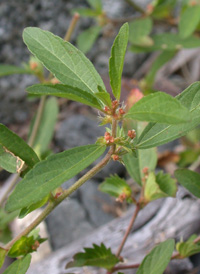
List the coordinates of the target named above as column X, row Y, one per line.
column 135, row 6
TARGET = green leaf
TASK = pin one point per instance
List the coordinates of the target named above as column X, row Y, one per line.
column 116, row 61
column 66, row 91
column 159, row 107
column 115, row 186
column 50, row 174
column 187, row 157
column 158, row 134
column 104, row 97
column 188, row 248
column 19, row 266
column 163, row 8
column 67, row 63
column 87, row 38
column 168, row 42
column 9, row 70
column 189, row 20
column 157, row 260
column 138, row 29
column 161, row 60
column 86, row 12
column 99, row 256
column 95, row 4
column 190, row 180
column 3, row 253
column 159, row 186
column 136, row 162
column 25, row 245
column 15, row 154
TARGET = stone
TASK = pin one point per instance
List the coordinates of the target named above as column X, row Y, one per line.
column 67, row 223
column 98, row 205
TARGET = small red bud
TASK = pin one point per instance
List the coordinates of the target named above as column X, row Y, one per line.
column 58, row 194
column 35, row 245
column 33, row 65
column 132, row 134
column 115, row 157
column 55, row 81
column 106, row 109
column 121, row 197
column 121, row 111
column 145, row 170
column 112, row 139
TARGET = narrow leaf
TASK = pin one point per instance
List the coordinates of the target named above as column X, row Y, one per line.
column 87, row 38
column 84, row 12
column 190, row 180
column 189, row 20
column 2, row 256
column 99, row 256
column 66, row 91
column 157, row 260
column 19, row 266
column 67, row 63
column 50, row 174
column 9, row 70
column 188, row 248
column 158, row 134
column 116, row 61
column 159, row 107
column 15, row 154
column 115, row 186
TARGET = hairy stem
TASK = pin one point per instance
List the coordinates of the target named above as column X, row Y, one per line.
column 135, row 6
column 137, row 209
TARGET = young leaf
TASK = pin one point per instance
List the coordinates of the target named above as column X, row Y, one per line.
column 95, row 4
column 159, row 186
column 138, row 29
column 157, row 260
column 3, row 253
column 87, row 38
column 189, row 20
column 67, row 63
column 25, row 245
column 188, row 248
column 99, row 256
column 19, row 266
column 190, row 180
column 161, row 60
column 9, row 70
column 115, row 186
column 14, row 152
column 66, row 91
column 159, row 107
column 158, row 134
column 116, row 61
column 50, row 174
column 84, row 12
column 136, row 162
column 47, row 125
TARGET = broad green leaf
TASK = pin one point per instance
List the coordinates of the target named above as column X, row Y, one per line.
column 161, row 60
column 3, row 253
column 68, row 64
column 187, row 157
column 50, row 174
column 19, row 266
column 99, row 256
column 25, row 245
column 158, row 134
column 157, row 260
column 116, row 61
column 46, row 128
column 159, row 107
column 115, row 186
column 190, row 180
column 189, row 20
column 87, row 38
column 136, row 162
column 86, row 12
column 95, row 4
column 159, row 186
column 66, row 91
column 188, row 248
column 15, row 154
column 168, row 42
column 9, row 70
column 138, row 29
